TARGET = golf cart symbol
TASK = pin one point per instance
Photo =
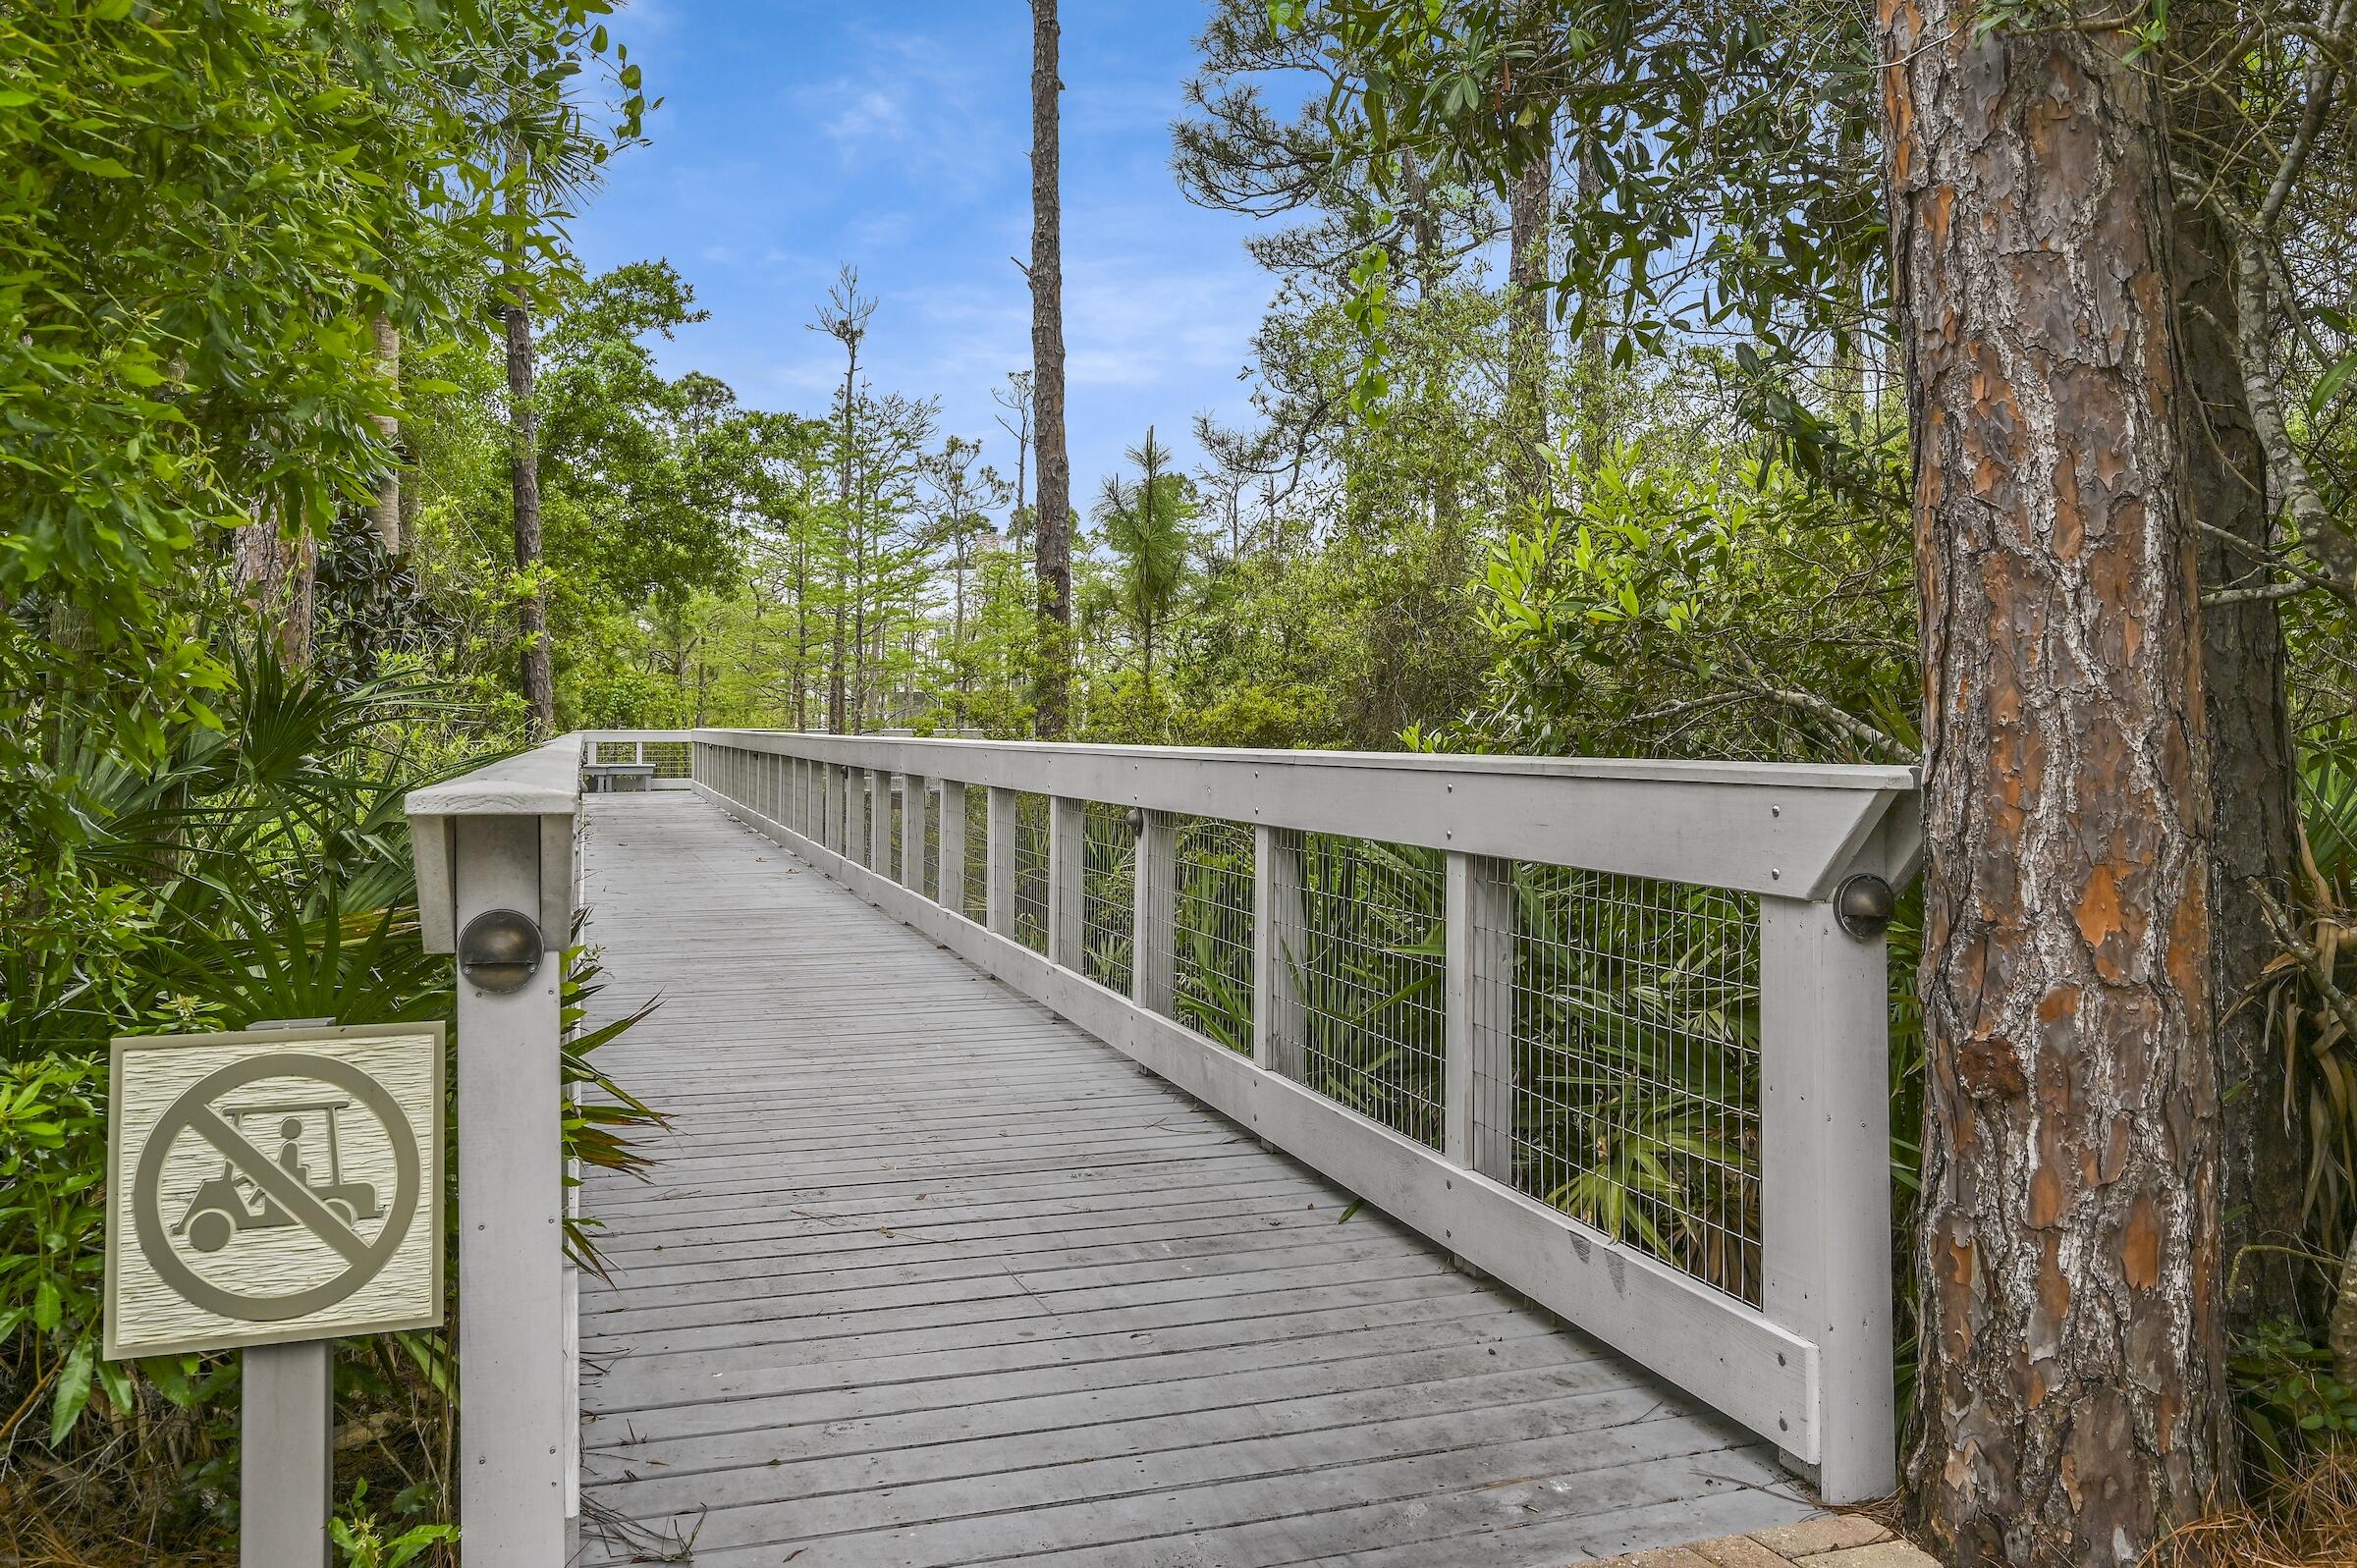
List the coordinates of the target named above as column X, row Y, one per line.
column 220, row 1209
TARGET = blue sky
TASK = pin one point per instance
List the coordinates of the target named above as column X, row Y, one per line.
column 797, row 137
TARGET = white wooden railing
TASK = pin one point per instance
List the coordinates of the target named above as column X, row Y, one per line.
column 1594, row 1026
column 666, row 750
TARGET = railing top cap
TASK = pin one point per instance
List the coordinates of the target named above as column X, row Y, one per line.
column 1787, row 774
column 544, row 782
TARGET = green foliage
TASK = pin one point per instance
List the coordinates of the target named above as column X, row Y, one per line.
column 1725, row 151
column 361, row 1543
column 1718, row 608
column 1148, row 525
column 2291, row 1401
column 347, row 158
column 52, row 1166
column 643, row 478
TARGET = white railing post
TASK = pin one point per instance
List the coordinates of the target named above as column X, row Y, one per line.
column 997, row 862
column 1280, row 1022
column 913, row 831
column 951, row 893
column 1825, row 1180
column 1067, row 862
column 1477, row 1015
column 502, row 838
column 1153, row 924
column 879, row 822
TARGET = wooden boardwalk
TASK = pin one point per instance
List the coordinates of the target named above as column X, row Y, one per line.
column 927, row 1276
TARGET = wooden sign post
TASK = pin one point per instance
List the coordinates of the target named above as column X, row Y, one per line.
column 271, row 1191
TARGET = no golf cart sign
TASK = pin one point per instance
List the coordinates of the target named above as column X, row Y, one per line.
column 273, row 1186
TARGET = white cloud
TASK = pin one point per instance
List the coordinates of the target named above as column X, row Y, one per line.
column 866, row 114
column 916, row 106
column 884, row 232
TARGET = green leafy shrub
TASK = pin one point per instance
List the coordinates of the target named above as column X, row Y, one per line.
column 2292, row 1405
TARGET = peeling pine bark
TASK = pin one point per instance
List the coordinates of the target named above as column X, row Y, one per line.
column 2072, row 1401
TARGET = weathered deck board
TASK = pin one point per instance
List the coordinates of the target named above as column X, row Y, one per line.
column 927, row 1276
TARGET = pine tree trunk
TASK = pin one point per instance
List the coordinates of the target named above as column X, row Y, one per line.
column 1530, row 214
column 1054, row 567
column 523, row 486
column 802, row 637
column 2253, row 769
column 1594, row 365
column 276, row 573
column 386, row 514
column 838, row 654
column 2072, row 1401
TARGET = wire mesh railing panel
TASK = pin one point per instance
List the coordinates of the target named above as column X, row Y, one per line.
column 669, row 757
column 1366, row 965
column 1637, row 1064
column 611, row 751
column 977, row 854
column 1031, row 871
column 1211, row 930
column 1108, row 894
column 931, row 873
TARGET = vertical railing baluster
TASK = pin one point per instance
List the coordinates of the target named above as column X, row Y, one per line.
column 1477, row 1015
column 913, row 831
column 998, row 864
column 1280, row 1021
column 1066, row 887
column 1825, row 1180
column 952, row 893
column 1153, row 935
